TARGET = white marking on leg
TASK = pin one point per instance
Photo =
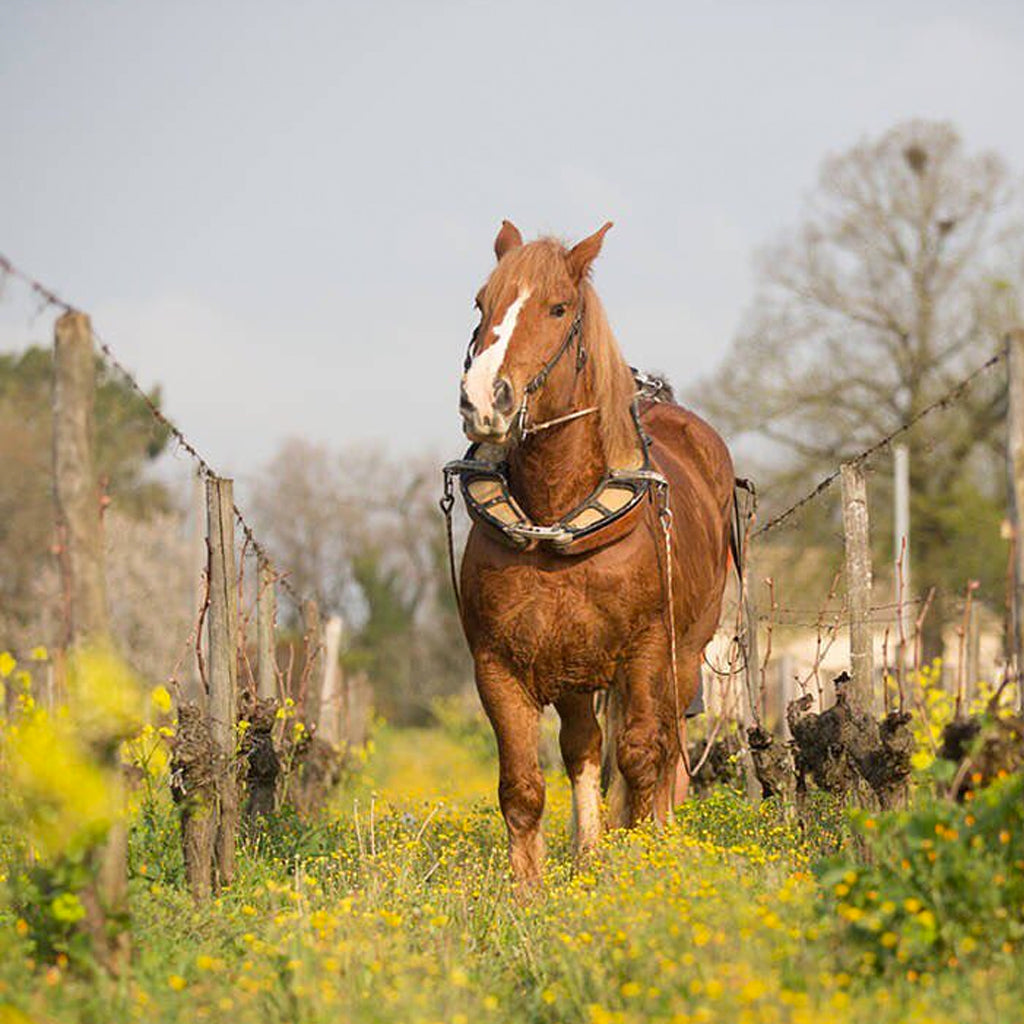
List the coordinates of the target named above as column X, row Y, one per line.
column 483, row 371
column 586, row 807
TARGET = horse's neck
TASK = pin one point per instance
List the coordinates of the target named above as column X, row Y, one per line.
column 552, row 472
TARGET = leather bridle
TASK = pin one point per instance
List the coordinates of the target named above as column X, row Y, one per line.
column 575, row 333
column 524, row 428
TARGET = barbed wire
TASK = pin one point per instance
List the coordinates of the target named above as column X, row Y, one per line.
column 827, row 481
column 50, row 298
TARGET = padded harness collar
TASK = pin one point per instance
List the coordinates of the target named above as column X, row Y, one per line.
column 609, row 512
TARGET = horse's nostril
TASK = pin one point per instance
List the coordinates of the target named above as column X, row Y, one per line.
column 503, row 396
column 465, row 405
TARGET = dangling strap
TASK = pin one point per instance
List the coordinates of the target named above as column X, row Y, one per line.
column 665, row 518
column 447, row 503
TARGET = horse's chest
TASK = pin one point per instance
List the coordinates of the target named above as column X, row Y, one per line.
column 556, row 631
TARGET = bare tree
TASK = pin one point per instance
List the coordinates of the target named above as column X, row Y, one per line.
column 898, row 280
column 362, row 533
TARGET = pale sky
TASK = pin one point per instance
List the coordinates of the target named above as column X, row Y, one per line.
column 281, row 212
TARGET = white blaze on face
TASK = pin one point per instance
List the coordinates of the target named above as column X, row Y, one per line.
column 483, row 371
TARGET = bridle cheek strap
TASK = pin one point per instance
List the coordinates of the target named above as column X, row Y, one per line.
column 575, row 333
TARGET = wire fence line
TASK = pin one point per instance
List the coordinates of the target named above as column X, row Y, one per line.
column 877, row 614
column 942, row 402
column 49, row 298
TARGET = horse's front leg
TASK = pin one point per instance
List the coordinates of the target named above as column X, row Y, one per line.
column 515, row 717
column 580, row 741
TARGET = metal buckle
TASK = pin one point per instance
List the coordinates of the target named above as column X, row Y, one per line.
column 651, row 476
column 648, row 386
column 531, row 531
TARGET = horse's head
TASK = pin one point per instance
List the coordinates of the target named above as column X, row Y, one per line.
column 528, row 307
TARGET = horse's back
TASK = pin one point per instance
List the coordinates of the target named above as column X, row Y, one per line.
column 690, row 452
column 696, row 462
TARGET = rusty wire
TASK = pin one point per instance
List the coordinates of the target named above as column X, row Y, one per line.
column 51, row 298
column 829, row 479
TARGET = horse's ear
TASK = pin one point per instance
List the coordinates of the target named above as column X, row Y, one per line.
column 582, row 254
column 508, row 239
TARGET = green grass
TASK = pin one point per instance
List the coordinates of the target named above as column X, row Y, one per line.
column 397, row 907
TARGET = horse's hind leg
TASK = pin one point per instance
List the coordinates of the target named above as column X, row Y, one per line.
column 664, row 789
column 643, row 741
column 612, row 779
column 580, row 742
column 516, row 722
column 675, row 785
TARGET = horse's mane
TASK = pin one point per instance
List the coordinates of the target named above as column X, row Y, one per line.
column 542, row 263
column 613, row 383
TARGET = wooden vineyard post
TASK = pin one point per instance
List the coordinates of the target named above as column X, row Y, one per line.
column 786, row 694
column 75, row 483
column 266, row 618
column 310, row 699
column 86, row 620
column 358, row 708
column 329, row 723
column 194, row 760
column 322, row 755
column 752, row 711
column 223, row 667
column 1015, row 472
column 973, row 641
column 193, row 686
column 264, row 766
column 901, row 552
column 858, row 582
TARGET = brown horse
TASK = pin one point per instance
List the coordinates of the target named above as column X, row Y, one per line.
column 549, row 399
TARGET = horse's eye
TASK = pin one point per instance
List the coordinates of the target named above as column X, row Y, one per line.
column 558, row 309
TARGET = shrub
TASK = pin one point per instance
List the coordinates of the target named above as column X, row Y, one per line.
column 943, row 883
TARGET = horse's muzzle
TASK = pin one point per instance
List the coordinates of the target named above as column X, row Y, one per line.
column 491, row 425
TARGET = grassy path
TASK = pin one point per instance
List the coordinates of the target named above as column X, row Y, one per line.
column 400, row 911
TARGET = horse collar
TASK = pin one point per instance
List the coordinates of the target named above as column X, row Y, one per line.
column 609, row 512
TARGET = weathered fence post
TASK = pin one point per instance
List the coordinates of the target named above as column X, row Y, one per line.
column 323, row 755
column 313, row 641
column 1015, row 467
column 901, row 550
column 84, row 585
column 358, row 708
column 75, row 482
column 223, row 667
column 858, row 582
column 194, row 786
column 786, row 694
column 263, row 763
column 192, row 686
column 329, row 721
column 266, row 618
column 973, row 651
column 194, row 760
